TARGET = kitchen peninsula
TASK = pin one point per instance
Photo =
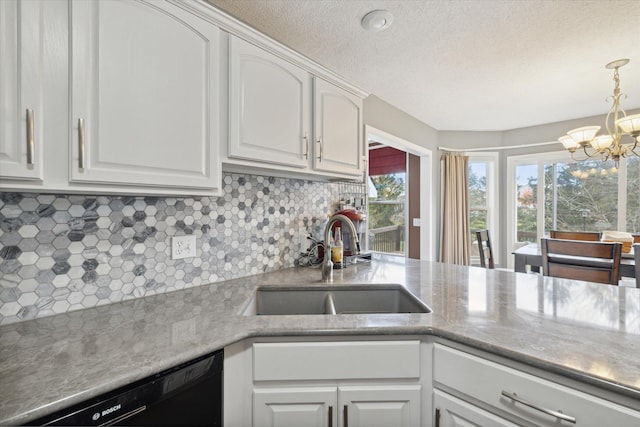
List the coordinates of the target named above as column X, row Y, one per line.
column 584, row 332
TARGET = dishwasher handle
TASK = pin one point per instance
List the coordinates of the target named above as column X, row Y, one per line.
column 124, row 416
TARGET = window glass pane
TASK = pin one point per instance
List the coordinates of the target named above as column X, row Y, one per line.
column 633, row 195
column 587, row 196
column 527, row 202
column 478, row 215
column 549, row 198
column 478, row 194
column 386, row 214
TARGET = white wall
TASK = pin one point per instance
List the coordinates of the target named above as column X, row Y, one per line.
column 385, row 117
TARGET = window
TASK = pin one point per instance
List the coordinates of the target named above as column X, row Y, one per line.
column 483, row 209
column 387, row 203
column 478, row 194
column 580, row 196
column 387, row 214
column 550, row 191
column 527, row 202
column 632, row 195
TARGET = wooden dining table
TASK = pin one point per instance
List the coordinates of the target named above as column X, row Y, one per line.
column 531, row 255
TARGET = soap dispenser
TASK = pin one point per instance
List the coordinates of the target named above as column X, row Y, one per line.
column 337, row 250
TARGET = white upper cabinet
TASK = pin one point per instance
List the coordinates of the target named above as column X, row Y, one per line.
column 21, row 91
column 144, row 95
column 269, row 107
column 338, row 130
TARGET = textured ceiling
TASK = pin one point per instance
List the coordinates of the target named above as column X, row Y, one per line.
column 467, row 64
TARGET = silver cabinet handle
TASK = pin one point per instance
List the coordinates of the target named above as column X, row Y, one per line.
column 81, row 146
column 345, row 416
column 320, row 142
column 557, row 414
column 30, row 142
column 330, row 416
column 306, row 145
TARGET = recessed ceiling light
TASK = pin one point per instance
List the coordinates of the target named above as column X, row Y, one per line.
column 377, row 20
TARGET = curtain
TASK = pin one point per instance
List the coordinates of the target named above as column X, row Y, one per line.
column 455, row 244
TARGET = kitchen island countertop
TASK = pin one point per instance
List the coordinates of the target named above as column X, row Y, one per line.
column 584, row 331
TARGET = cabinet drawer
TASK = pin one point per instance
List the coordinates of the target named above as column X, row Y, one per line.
column 336, row 360
column 486, row 381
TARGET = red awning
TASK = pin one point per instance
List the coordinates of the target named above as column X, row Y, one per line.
column 387, row 160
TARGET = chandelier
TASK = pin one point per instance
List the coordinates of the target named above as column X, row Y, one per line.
column 622, row 130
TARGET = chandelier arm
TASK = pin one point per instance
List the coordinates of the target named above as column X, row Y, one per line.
column 573, row 157
column 589, row 156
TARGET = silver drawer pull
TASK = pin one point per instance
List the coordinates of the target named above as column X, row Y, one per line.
column 330, row 423
column 81, row 146
column 557, row 414
column 30, row 141
column 306, row 144
column 320, row 142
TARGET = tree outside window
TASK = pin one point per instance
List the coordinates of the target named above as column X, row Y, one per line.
column 387, row 213
column 581, row 196
column 590, row 195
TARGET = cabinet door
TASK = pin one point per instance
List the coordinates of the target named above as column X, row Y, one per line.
column 337, row 130
column 21, row 91
column 453, row 412
column 144, row 84
column 294, row 407
column 371, row 406
column 270, row 107
column 523, row 395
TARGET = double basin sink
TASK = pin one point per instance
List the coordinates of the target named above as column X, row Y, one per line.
column 334, row 299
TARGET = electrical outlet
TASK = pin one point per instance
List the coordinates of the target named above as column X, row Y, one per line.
column 183, row 247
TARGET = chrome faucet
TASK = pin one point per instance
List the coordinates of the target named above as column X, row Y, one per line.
column 327, row 265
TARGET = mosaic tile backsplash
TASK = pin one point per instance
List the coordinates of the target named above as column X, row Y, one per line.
column 60, row 253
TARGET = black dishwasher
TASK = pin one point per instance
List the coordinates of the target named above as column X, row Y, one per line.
column 188, row 394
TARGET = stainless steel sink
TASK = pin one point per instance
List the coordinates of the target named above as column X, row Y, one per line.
column 335, row 299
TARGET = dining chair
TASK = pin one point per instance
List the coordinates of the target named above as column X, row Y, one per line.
column 581, row 260
column 591, row 236
column 484, row 248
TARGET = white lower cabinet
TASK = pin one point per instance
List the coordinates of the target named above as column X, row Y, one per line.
column 404, row 383
column 355, row 406
column 325, row 383
column 383, row 405
column 453, row 412
column 517, row 396
column 295, row 407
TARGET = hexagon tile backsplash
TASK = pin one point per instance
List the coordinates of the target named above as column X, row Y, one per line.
column 60, row 253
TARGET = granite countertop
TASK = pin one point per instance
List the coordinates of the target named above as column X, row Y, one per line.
column 586, row 331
